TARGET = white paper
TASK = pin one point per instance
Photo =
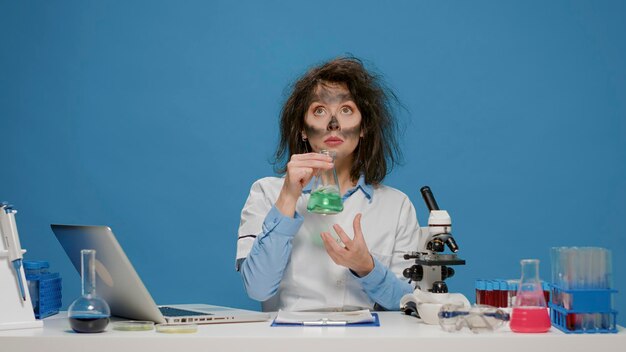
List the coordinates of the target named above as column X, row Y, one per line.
column 322, row 318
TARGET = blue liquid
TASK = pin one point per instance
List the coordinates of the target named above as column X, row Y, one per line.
column 89, row 323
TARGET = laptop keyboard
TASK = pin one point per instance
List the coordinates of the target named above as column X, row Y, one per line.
column 175, row 312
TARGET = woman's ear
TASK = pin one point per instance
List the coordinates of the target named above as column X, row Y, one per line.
column 304, row 137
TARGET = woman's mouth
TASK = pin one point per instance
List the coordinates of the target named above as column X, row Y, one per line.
column 333, row 141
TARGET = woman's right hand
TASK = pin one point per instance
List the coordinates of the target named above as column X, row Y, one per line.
column 300, row 169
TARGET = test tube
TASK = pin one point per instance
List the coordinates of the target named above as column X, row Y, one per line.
column 489, row 293
column 496, row 293
column 572, row 268
column 583, row 268
column 604, row 262
column 555, row 260
column 497, row 290
column 480, row 291
column 503, row 293
column 512, row 292
column 599, row 268
column 546, row 291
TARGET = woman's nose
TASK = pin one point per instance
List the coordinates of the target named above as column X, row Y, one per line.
column 333, row 124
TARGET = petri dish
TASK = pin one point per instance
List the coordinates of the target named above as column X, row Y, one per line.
column 133, row 325
column 177, row 328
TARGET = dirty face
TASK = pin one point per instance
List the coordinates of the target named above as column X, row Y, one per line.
column 333, row 121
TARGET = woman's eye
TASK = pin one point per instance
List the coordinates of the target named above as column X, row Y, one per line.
column 346, row 110
column 319, row 111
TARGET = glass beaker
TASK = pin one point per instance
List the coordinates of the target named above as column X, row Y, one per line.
column 325, row 197
column 88, row 313
column 530, row 313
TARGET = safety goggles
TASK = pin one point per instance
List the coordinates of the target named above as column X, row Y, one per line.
column 478, row 318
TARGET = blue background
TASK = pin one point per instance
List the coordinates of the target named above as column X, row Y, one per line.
column 155, row 117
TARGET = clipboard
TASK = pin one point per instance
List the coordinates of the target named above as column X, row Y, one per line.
column 331, row 323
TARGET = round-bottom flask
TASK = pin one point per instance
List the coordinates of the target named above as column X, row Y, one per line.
column 89, row 313
column 530, row 313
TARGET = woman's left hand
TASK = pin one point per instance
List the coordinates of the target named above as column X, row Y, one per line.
column 354, row 253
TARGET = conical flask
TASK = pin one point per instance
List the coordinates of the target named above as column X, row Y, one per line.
column 530, row 313
column 325, row 197
column 89, row 313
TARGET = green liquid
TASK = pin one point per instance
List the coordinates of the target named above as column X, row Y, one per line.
column 325, row 202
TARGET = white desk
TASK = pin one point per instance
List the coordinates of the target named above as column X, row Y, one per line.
column 397, row 333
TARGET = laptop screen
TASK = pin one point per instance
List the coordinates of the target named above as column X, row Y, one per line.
column 116, row 279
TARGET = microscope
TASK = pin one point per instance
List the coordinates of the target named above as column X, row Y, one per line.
column 432, row 266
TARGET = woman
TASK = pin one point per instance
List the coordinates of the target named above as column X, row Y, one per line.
column 291, row 259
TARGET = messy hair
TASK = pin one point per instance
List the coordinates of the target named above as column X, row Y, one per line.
column 378, row 150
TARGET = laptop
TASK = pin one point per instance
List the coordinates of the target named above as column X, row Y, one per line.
column 118, row 282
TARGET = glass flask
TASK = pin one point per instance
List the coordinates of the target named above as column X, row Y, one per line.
column 88, row 313
column 325, row 197
column 530, row 313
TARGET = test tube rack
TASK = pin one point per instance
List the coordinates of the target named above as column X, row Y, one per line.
column 45, row 288
column 583, row 311
column 15, row 312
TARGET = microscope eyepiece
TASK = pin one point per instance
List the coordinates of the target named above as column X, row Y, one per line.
column 427, row 194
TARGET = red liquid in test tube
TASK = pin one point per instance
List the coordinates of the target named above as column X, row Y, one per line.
column 489, row 297
column 480, row 291
column 504, row 294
